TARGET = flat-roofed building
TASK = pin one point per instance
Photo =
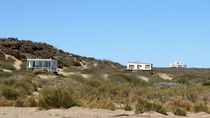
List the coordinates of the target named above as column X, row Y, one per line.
column 178, row 64
column 139, row 66
column 42, row 64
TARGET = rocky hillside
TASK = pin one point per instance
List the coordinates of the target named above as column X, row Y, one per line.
column 22, row 49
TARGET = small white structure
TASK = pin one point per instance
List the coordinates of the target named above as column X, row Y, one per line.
column 139, row 66
column 178, row 64
column 43, row 64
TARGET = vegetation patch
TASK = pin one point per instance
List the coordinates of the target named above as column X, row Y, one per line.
column 26, row 102
column 200, row 107
column 147, row 106
column 10, row 93
column 180, row 111
column 58, row 97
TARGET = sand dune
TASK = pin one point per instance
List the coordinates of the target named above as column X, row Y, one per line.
column 17, row 63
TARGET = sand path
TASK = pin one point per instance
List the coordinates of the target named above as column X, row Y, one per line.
column 78, row 112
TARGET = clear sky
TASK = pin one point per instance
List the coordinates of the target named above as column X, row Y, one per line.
column 153, row 31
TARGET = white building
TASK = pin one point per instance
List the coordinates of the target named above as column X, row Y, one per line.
column 139, row 66
column 43, row 64
column 178, row 65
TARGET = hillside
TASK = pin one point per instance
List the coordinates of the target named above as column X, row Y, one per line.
column 22, row 49
column 94, row 83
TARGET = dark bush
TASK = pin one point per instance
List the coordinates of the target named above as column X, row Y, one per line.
column 5, row 74
column 128, row 107
column 200, row 107
column 10, row 93
column 180, row 111
column 6, row 65
column 58, row 97
column 26, row 102
column 93, row 83
column 146, row 106
column 76, row 63
column 2, row 56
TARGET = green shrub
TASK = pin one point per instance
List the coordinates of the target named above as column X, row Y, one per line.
column 5, row 74
column 9, row 82
column 5, row 102
column 26, row 85
column 76, row 63
column 10, row 93
column 159, row 108
column 180, row 103
column 39, row 72
column 6, row 65
column 93, row 83
column 102, row 103
column 58, row 97
column 180, row 111
column 118, row 77
column 77, row 77
column 156, row 79
column 23, row 86
column 2, row 56
column 18, row 55
column 17, row 86
column 146, row 106
column 128, row 107
column 192, row 96
column 199, row 107
column 26, row 102
column 206, row 83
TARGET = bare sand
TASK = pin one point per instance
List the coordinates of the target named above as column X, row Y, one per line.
column 78, row 112
column 144, row 78
column 17, row 63
column 165, row 76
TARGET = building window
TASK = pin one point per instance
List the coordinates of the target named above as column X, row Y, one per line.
column 147, row 66
column 138, row 66
column 131, row 67
column 33, row 65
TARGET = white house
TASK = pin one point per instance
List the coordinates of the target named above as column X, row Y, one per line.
column 43, row 64
column 139, row 66
column 178, row 64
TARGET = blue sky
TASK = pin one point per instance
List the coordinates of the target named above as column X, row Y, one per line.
column 156, row 31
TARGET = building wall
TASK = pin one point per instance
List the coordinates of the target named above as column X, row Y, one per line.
column 178, row 65
column 138, row 66
column 41, row 64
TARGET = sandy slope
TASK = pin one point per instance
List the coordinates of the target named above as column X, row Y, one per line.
column 78, row 112
column 144, row 78
column 165, row 76
column 17, row 63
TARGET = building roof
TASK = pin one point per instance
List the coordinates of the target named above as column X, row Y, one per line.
column 178, row 63
column 136, row 62
column 40, row 60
